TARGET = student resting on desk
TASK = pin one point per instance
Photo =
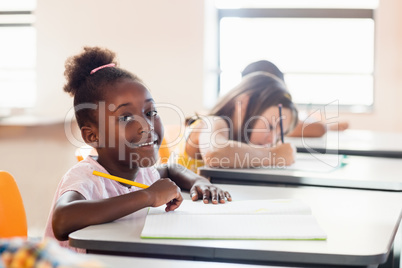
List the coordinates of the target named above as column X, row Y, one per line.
column 117, row 116
column 314, row 129
column 242, row 130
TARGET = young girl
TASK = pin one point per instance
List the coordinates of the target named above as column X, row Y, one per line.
column 303, row 128
column 117, row 116
column 242, row 130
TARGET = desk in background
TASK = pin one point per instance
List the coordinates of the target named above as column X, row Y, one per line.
column 352, row 142
column 360, row 172
column 361, row 227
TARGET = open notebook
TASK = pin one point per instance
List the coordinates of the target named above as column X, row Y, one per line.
column 251, row 219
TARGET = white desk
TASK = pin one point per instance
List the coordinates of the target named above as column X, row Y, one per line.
column 361, row 172
column 127, row 262
column 352, row 142
column 361, row 227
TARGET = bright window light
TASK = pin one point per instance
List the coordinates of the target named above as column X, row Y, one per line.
column 17, row 67
column 296, row 4
column 17, row 54
column 19, row 5
column 323, row 59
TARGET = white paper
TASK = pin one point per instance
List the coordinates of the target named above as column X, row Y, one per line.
column 251, row 219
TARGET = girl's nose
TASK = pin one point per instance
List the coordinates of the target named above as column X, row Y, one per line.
column 147, row 130
column 150, row 129
column 146, row 127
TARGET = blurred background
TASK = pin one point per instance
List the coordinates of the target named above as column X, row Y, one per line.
column 343, row 58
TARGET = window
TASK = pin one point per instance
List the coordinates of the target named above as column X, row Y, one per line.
column 326, row 53
column 17, row 54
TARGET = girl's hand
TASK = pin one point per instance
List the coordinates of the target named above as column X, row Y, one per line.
column 341, row 126
column 205, row 190
column 165, row 191
column 283, row 154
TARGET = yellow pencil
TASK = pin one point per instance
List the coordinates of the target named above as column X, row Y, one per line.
column 108, row 176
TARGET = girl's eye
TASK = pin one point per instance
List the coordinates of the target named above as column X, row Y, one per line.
column 126, row 118
column 152, row 113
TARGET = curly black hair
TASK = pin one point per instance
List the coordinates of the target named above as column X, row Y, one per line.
column 86, row 88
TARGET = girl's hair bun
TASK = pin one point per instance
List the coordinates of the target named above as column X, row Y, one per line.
column 90, row 88
column 78, row 68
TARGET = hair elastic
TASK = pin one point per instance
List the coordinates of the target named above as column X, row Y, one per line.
column 103, row 66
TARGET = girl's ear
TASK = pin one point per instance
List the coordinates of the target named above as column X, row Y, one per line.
column 90, row 136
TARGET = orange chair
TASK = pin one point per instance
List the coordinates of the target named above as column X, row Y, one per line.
column 173, row 136
column 164, row 152
column 82, row 152
column 13, row 220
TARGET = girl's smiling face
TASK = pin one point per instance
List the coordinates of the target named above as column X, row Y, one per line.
column 130, row 129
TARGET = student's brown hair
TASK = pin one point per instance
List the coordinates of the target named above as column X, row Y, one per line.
column 264, row 91
column 263, row 66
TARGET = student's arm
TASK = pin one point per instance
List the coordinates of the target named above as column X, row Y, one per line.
column 199, row 186
column 217, row 150
column 73, row 212
column 340, row 126
column 316, row 129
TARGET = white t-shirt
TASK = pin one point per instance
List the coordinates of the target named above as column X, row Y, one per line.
column 80, row 179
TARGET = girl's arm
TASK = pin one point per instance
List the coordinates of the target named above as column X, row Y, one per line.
column 73, row 212
column 217, row 150
column 316, row 129
column 199, row 186
column 341, row 126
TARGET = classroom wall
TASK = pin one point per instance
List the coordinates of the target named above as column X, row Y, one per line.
column 388, row 72
column 162, row 42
